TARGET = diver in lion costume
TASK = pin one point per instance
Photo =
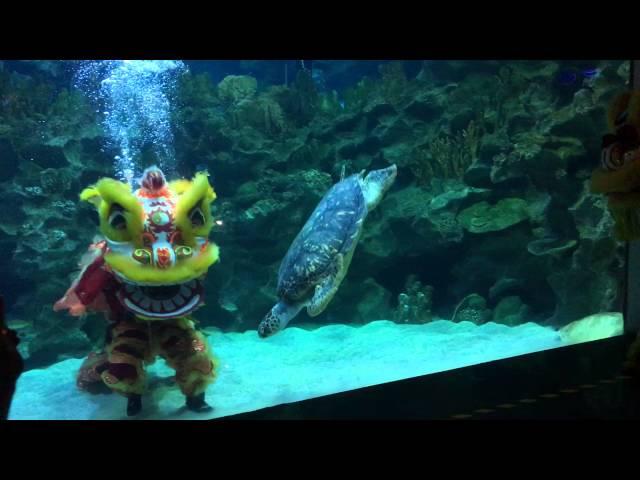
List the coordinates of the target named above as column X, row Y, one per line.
column 146, row 275
column 618, row 177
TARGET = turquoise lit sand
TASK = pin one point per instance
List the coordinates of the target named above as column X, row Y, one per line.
column 298, row 364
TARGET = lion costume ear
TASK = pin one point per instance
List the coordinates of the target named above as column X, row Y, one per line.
column 91, row 195
column 195, row 194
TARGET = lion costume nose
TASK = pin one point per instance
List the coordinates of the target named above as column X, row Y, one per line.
column 164, row 257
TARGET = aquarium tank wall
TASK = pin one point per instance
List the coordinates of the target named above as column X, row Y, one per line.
column 353, row 223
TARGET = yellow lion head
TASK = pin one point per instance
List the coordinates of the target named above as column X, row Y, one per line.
column 157, row 240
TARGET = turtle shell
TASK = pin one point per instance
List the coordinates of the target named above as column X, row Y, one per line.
column 332, row 228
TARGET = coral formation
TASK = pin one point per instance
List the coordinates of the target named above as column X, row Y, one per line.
column 447, row 157
column 511, row 311
column 472, row 308
column 483, row 217
column 414, row 304
column 235, row 89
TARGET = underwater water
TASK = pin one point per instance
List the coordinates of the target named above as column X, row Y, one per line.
column 483, row 242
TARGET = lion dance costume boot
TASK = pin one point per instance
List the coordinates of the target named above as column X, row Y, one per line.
column 147, row 275
column 618, row 177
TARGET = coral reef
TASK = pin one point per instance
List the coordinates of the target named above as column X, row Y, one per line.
column 511, row 311
column 235, row 89
column 414, row 304
column 483, row 217
column 447, row 157
column 472, row 308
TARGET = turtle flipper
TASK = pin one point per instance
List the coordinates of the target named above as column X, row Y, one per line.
column 326, row 289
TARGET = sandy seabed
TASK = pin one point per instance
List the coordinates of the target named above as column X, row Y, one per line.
column 298, row 364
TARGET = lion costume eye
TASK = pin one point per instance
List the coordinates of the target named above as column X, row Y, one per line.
column 117, row 219
column 197, row 217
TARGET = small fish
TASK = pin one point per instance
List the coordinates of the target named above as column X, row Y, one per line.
column 341, row 104
column 591, row 73
column 19, row 325
column 229, row 306
column 571, row 76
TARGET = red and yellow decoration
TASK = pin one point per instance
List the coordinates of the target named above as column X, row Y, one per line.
column 618, row 175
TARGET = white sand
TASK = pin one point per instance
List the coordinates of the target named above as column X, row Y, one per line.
column 297, row 364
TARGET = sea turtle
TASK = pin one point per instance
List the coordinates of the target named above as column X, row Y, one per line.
column 319, row 257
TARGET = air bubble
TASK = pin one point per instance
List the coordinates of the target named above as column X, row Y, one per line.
column 135, row 99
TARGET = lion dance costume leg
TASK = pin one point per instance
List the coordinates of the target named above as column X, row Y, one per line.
column 147, row 275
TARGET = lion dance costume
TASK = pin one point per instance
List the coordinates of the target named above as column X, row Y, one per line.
column 618, row 177
column 147, row 275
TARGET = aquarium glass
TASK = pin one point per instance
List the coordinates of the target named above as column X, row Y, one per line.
column 476, row 237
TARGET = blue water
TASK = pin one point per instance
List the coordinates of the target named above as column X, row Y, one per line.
column 135, row 100
column 490, row 218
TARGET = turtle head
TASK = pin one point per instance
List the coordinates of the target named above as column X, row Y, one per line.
column 376, row 184
column 278, row 318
